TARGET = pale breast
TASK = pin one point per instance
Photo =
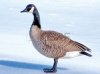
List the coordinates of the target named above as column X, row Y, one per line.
column 35, row 38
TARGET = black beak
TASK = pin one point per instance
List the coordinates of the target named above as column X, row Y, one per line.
column 25, row 10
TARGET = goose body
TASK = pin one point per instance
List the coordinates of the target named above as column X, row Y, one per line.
column 48, row 42
column 51, row 43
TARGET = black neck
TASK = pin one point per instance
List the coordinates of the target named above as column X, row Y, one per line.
column 36, row 18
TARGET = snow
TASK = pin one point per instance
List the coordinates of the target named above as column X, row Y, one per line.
column 80, row 19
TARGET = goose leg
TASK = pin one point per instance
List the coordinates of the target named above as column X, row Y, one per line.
column 53, row 69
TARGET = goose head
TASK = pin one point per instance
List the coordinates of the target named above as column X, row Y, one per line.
column 29, row 8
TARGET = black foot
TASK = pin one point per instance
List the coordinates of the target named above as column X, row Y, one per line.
column 50, row 70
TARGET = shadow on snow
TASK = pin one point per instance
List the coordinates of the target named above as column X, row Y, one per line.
column 24, row 65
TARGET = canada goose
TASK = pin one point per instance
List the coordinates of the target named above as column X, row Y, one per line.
column 52, row 44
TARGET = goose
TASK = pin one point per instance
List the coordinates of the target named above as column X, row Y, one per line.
column 53, row 44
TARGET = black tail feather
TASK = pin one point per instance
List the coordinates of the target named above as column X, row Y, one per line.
column 87, row 54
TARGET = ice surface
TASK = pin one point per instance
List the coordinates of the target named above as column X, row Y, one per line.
column 81, row 19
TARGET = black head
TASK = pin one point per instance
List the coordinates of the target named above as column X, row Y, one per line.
column 29, row 8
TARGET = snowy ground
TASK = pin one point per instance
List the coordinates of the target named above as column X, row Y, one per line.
column 79, row 18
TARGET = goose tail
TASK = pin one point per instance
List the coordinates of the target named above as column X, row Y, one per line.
column 87, row 54
column 83, row 49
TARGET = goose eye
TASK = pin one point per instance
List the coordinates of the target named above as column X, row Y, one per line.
column 28, row 9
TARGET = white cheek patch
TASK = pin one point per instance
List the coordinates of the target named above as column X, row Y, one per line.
column 32, row 9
